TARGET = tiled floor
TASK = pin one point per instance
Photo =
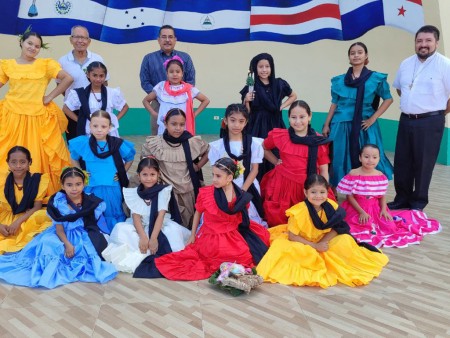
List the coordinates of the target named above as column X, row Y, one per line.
column 410, row 298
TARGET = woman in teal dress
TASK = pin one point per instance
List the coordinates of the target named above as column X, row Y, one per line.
column 352, row 118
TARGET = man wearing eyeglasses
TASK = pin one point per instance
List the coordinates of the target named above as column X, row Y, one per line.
column 75, row 63
column 152, row 69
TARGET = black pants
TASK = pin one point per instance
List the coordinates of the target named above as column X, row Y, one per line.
column 416, row 152
column 71, row 127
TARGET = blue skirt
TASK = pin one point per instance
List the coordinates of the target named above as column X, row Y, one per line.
column 341, row 162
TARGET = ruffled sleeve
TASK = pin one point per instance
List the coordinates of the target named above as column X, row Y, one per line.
column 198, row 146
column 297, row 215
column 215, row 151
column 117, row 99
column 194, row 91
column 335, row 87
column 100, row 210
column 257, row 150
column 72, row 101
column 53, row 68
column 127, row 151
column 134, row 202
column 383, row 90
column 3, row 68
column 152, row 147
column 164, row 198
column 363, row 185
column 199, row 205
column 269, row 141
column 286, row 89
column 76, row 146
column 323, row 154
column 43, row 186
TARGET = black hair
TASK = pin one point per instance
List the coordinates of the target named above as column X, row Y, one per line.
column 301, row 104
column 101, row 113
column 19, row 149
column 237, row 108
column 429, row 29
column 72, row 172
column 26, row 35
column 315, row 179
column 96, row 64
column 147, row 162
column 227, row 165
column 177, row 62
column 166, row 27
column 369, row 145
column 174, row 112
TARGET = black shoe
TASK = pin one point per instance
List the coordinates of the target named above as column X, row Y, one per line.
column 397, row 205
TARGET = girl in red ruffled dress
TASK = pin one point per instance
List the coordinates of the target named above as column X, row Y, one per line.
column 303, row 152
column 226, row 235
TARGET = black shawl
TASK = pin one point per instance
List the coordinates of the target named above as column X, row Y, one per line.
column 114, row 144
column 255, row 244
column 30, row 190
column 246, row 158
column 335, row 221
column 85, row 111
column 358, row 83
column 147, row 268
column 313, row 141
column 184, row 140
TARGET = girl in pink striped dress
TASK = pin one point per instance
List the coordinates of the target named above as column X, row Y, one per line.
column 369, row 217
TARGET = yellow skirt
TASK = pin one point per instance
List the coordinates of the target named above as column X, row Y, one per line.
column 34, row 225
column 41, row 135
column 294, row 263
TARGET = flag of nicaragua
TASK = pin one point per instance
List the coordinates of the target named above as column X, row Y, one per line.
column 212, row 22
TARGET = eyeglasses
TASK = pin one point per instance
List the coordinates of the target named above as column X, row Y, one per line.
column 167, row 37
column 78, row 37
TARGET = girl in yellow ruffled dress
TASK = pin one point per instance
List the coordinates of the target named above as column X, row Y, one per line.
column 315, row 247
column 21, row 195
column 28, row 117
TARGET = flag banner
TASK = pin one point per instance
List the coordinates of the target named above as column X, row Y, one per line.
column 212, row 22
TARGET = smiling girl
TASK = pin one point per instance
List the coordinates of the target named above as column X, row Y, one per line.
column 303, row 152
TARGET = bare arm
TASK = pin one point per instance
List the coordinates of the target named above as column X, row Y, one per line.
column 323, row 170
column 300, row 239
column 147, row 103
column 65, row 80
column 195, row 222
column 447, row 110
column 269, row 156
column 384, row 106
column 70, row 114
column 251, row 176
column 143, row 238
column 69, row 249
column 328, row 236
column 123, row 111
column 204, row 101
column 128, row 165
column 383, row 206
column 153, row 243
column 202, row 162
column 363, row 216
column 24, row 217
column 288, row 102
column 326, row 124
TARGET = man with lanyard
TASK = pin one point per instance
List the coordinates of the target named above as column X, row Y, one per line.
column 75, row 63
column 423, row 84
column 152, row 68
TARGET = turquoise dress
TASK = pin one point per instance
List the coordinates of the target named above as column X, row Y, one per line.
column 341, row 124
column 42, row 262
column 102, row 172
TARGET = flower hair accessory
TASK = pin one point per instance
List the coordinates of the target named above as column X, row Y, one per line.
column 175, row 57
column 28, row 30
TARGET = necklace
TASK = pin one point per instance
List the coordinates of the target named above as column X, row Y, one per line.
column 418, row 73
column 102, row 148
column 19, row 187
column 95, row 96
column 354, row 77
column 173, row 146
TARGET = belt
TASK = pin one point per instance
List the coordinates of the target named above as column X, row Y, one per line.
column 421, row 116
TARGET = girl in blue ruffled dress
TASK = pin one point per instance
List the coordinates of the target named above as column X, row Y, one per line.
column 68, row 251
column 107, row 160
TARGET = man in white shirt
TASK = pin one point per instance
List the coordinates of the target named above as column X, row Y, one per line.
column 75, row 63
column 423, row 84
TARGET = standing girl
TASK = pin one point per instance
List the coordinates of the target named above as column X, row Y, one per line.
column 315, row 248
column 21, row 195
column 265, row 104
column 175, row 93
column 104, row 157
column 154, row 228
column 95, row 97
column 240, row 146
column 226, row 235
column 352, row 119
column 176, row 150
column 29, row 117
column 67, row 251
column 303, row 152
column 366, row 209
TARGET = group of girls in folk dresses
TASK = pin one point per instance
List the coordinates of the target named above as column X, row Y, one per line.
column 96, row 96
column 175, row 93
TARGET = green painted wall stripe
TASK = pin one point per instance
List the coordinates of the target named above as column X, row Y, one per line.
column 137, row 122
